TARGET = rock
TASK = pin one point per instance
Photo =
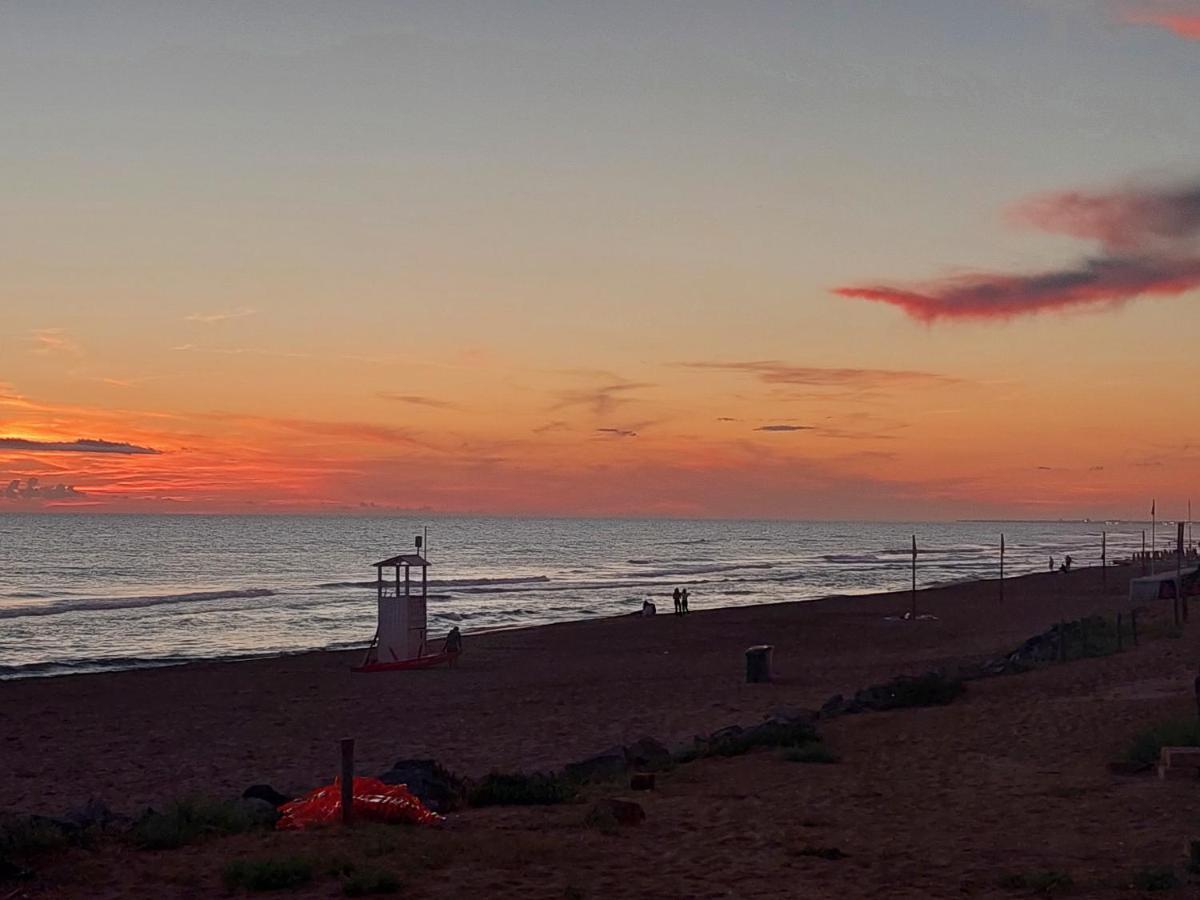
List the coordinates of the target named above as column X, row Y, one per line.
column 95, row 814
column 721, row 734
column 834, row 706
column 648, row 754
column 610, row 764
column 793, row 715
column 623, row 812
column 437, row 787
column 265, row 792
column 642, row 781
column 261, row 812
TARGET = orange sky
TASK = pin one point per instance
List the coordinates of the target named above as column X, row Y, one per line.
column 672, row 262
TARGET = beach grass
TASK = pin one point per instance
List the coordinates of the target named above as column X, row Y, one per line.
column 1146, row 746
column 1041, row 881
column 268, row 874
column 192, row 819
column 814, row 752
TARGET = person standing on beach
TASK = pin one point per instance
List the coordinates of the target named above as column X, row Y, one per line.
column 683, row 599
column 678, row 602
column 453, row 645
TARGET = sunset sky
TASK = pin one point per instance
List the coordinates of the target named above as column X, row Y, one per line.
column 930, row 259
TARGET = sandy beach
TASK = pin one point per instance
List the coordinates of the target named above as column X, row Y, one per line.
column 927, row 802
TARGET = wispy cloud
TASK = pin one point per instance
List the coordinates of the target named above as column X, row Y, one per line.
column 53, row 340
column 224, row 316
column 82, row 445
column 602, row 400
column 775, row 372
column 1148, row 238
column 1181, row 19
column 783, row 428
column 416, row 400
column 617, row 432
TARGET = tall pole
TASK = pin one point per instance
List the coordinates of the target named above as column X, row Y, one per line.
column 1143, row 551
column 1153, row 534
column 1190, row 541
column 914, row 577
column 1104, row 557
column 1179, row 571
column 1001, row 565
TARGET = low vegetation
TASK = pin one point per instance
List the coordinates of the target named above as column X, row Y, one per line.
column 1155, row 878
column 365, row 882
column 269, row 874
column 1146, row 746
column 815, row 752
column 193, row 819
column 931, row 689
column 1045, row 881
column 521, row 789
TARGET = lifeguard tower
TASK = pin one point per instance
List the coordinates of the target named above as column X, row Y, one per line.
column 400, row 636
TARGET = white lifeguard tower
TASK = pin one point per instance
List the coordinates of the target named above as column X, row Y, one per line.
column 400, row 640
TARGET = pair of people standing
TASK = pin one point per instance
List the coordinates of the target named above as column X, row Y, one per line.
column 681, row 601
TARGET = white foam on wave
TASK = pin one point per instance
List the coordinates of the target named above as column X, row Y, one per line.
column 106, row 604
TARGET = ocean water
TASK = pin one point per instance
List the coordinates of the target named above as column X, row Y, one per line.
column 87, row 593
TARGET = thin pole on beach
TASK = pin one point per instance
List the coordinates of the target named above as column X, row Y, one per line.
column 1002, row 565
column 914, row 577
column 1153, row 534
column 1104, row 558
column 347, row 783
column 1143, row 551
column 1179, row 570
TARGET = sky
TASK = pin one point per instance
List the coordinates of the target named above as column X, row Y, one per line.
column 858, row 260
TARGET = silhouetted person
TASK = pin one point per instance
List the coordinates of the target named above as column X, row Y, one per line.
column 453, row 645
column 678, row 596
column 1066, row 566
column 1052, row 564
column 683, row 599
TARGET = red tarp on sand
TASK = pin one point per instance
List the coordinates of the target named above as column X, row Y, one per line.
column 374, row 801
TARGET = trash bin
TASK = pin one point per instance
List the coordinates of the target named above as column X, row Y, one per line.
column 758, row 663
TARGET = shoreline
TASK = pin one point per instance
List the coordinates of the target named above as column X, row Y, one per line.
column 524, row 698
column 22, row 673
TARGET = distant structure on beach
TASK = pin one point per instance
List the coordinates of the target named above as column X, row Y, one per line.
column 400, row 640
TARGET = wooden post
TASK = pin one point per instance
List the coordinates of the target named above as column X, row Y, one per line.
column 1179, row 570
column 1133, row 625
column 914, row 577
column 1120, row 637
column 1143, row 551
column 1104, row 558
column 347, row 782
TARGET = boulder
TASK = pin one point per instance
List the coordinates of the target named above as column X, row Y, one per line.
column 834, row 706
column 724, row 734
column 95, row 814
column 265, row 792
column 648, row 754
column 623, row 812
column 437, row 787
column 612, row 763
column 793, row 715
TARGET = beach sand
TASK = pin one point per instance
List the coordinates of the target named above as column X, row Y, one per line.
column 926, row 803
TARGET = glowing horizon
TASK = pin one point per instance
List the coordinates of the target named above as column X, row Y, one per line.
column 603, row 261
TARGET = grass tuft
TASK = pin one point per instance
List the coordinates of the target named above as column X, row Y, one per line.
column 193, row 819
column 271, row 874
column 1155, row 878
column 814, row 752
column 1047, row 881
column 366, row 882
column 1146, row 746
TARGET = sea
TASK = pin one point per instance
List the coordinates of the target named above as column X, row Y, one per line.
column 87, row 593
